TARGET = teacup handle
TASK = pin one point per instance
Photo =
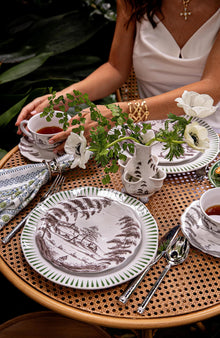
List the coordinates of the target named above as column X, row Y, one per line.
column 23, row 125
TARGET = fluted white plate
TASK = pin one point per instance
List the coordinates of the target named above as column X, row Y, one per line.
column 192, row 159
column 143, row 250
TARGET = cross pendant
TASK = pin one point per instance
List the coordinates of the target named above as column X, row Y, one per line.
column 185, row 13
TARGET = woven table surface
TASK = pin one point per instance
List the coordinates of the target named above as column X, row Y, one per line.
column 190, row 290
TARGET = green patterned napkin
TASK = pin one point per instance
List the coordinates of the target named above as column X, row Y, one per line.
column 19, row 185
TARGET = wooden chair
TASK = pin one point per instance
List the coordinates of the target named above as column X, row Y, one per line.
column 129, row 90
column 47, row 324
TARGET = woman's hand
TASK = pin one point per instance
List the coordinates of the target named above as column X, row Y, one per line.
column 62, row 136
column 34, row 107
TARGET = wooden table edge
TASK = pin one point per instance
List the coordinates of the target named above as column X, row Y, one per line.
column 102, row 320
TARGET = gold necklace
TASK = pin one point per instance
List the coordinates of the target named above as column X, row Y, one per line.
column 185, row 12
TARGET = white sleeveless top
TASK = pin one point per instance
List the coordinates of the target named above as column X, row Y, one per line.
column 160, row 65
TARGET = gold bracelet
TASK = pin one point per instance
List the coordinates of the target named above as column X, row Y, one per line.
column 138, row 111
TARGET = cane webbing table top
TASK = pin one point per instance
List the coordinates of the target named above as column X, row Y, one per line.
column 189, row 292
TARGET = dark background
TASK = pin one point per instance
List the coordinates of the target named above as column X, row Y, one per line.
column 77, row 36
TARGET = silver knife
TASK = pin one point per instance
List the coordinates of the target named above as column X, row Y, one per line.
column 164, row 244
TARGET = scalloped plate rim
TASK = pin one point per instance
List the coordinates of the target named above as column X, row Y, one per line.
column 207, row 157
column 108, row 278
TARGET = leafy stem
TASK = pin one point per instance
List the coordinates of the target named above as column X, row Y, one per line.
column 125, row 138
column 109, row 146
column 162, row 140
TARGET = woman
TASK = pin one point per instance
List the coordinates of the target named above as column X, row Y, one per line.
column 174, row 46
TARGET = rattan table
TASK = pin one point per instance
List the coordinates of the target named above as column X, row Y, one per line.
column 188, row 294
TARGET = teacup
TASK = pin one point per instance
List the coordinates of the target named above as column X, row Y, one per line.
column 40, row 130
column 210, row 207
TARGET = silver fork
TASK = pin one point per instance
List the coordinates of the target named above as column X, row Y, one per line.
column 55, row 187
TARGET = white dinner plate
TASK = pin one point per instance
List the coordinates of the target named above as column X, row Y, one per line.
column 127, row 246
column 192, row 159
column 190, row 154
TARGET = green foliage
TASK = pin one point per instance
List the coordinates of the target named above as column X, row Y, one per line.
column 24, row 68
column 46, row 43
column 2, row 153
column 108, row 144
column 105, row 145
column 6, row 117
column 101, row 7
column 49, row 110
column 172, row 136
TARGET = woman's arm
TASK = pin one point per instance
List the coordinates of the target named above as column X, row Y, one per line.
column 108, row 77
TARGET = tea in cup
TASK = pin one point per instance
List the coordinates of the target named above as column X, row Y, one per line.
column 210, row 209
column 40, row 130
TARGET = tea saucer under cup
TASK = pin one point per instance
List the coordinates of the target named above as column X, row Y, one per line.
column 32, row 152
column 205, row 239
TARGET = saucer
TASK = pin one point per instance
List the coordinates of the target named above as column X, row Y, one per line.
column 198, row 235
column 32, row 152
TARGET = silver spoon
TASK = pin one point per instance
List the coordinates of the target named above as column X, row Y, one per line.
column 176, row 255
column 164, row 244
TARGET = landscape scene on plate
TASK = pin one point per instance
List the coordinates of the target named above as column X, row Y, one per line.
column 71, row 236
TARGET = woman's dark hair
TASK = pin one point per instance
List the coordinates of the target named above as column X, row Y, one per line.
column 142, row 7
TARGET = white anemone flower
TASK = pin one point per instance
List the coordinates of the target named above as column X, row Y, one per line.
column 196, row 136
column 194, row 104
column 76, row 145
column 147, row 136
